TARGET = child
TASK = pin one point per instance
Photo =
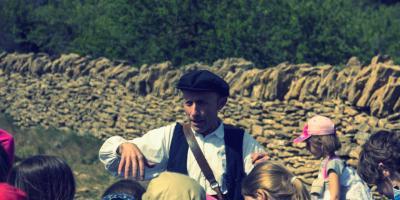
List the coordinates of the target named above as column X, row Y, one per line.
column 270, row 180
column 6, row 154
column 124, row 190
column 380, row 163
column 174, row 186
column 44, row 177
column 321, row 140
column 4, row 165
column 7, row 141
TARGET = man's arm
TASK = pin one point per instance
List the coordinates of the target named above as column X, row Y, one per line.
column 132, row 159
column 142, row 157
column 253, row 152
column 108, row 153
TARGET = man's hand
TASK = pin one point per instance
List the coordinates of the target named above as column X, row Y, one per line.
column 131, row 159
column 259, row 157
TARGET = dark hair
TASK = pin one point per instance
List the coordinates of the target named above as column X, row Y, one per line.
column 382, row 147
column 5, row 165
column 126, row 186
column 326, row 144
column 44, row 177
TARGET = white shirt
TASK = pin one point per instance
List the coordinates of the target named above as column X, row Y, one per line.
column 155, row 146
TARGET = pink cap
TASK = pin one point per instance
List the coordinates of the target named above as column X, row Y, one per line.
column 7, row 141
column 317, row 125
column 9, row 192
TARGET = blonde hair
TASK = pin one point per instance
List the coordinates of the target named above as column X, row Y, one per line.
column 173, row 186
column 275, row 181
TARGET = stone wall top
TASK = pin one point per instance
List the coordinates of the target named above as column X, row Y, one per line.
column 374, row 88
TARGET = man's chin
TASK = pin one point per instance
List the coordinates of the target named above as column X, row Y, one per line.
column 198, row 129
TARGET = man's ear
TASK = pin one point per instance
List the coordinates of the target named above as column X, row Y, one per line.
column 221, row 102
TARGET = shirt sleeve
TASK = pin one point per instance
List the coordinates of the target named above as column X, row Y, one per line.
column 108, row 153
column 250, row 145
column 154, row 145
column 336, row 165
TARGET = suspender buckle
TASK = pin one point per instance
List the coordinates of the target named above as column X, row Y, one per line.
column 214, row 185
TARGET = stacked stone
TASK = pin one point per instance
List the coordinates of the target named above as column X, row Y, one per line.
column 105, row 98
column 375, row 87
column 105, row 108
column 85, row 105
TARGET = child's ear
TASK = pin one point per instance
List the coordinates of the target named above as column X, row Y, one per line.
column 261, row 195
column 385, row 171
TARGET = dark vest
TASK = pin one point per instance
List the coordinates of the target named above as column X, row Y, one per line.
column 233, row 138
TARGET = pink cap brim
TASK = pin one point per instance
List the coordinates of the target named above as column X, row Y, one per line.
column 301, row 138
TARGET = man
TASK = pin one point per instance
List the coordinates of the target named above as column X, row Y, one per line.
column 229, row 151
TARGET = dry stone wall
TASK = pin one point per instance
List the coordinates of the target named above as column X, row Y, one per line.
column 104, row 98
column 374, row 88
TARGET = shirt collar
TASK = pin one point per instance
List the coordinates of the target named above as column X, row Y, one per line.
column 219, row 132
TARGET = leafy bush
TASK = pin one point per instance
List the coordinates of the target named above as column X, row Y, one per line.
column 184, row 31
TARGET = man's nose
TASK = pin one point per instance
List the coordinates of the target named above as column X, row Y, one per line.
column 195, row 109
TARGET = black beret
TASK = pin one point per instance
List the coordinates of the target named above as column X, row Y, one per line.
column 203, row 80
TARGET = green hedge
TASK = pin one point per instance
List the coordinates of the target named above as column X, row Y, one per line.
column 184, row 31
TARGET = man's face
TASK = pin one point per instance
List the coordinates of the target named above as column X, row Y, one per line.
column 202, row 110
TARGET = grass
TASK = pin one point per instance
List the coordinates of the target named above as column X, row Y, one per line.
column 80, row 152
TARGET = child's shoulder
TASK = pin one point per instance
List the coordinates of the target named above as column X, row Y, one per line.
column 337, row 161
column 336, row 165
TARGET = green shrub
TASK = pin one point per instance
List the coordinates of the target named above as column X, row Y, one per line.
column 184, row 31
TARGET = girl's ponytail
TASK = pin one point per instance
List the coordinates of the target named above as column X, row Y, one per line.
column 301, row 191
column 275, row 181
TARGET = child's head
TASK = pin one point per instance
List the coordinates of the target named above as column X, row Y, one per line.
column 7, row 143
column 44, row 177
column 320, row 136
column 174, row 186
column 6, row 154
column 270, row 180
column 380, row 161
column 4, row 166
column 124, row 189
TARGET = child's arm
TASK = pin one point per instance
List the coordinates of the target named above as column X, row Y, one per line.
column 334, row 185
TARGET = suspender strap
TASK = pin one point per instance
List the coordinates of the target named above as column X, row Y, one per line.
column 201, row 160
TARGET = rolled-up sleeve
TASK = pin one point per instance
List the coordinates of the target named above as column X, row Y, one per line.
column 250, row 145
column 108, row 153
column 154, row 145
